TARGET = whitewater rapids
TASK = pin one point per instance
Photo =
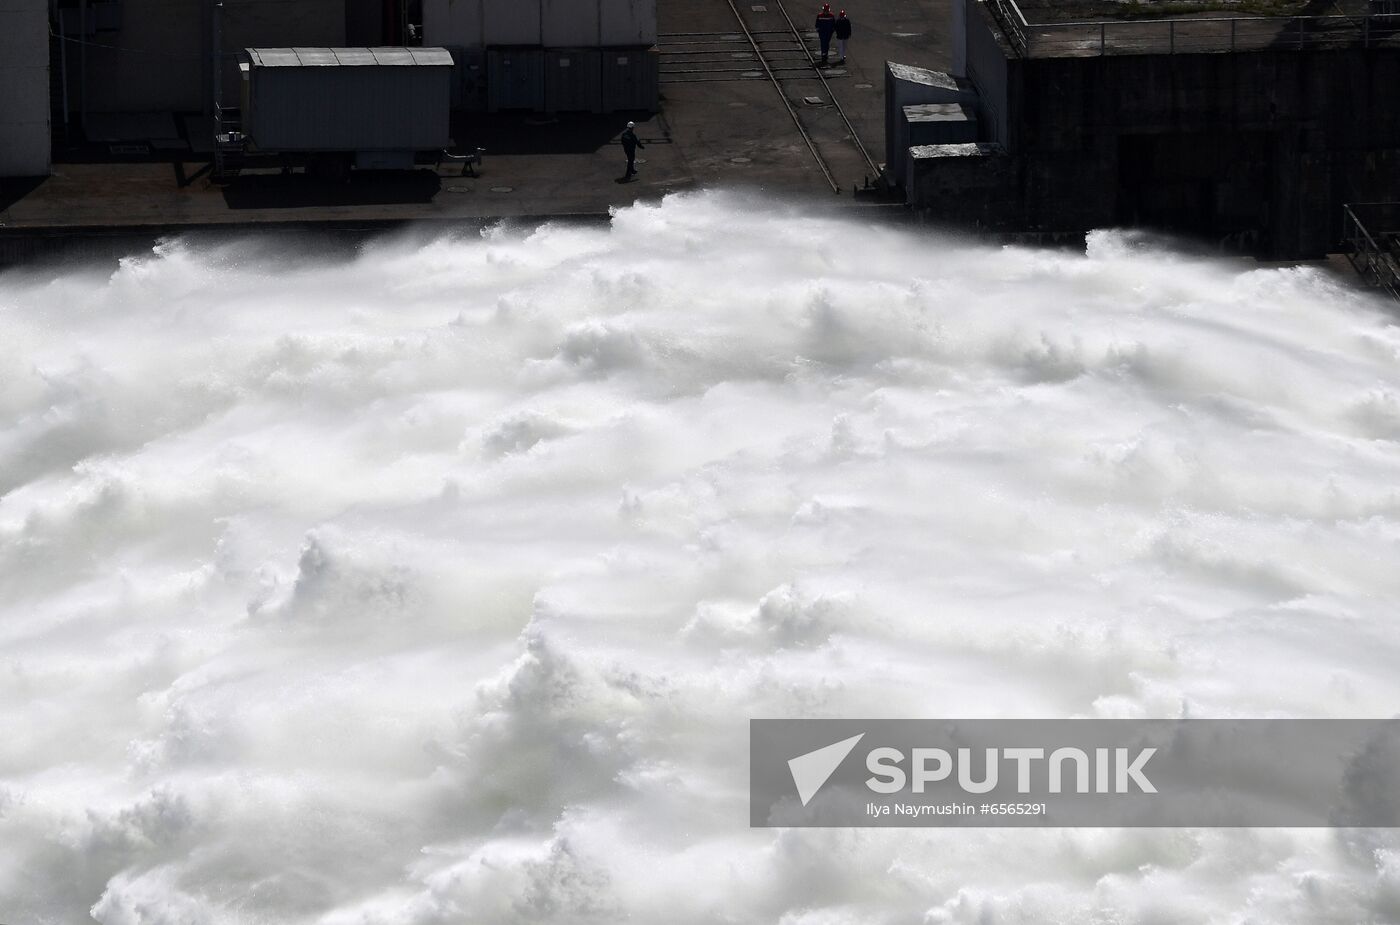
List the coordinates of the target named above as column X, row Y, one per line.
column 438, row 584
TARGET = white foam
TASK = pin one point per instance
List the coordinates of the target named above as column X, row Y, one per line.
column 438, row 585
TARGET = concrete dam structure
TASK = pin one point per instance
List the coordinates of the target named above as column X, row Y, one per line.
column 1247, row 132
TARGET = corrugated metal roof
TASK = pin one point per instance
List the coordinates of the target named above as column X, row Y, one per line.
column 357, row 57
column 315, row 57
column 349, row 57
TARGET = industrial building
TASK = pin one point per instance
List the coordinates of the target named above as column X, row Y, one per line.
column 147, row 56
column 161, row 73
column 1249, row 132
column 551, row 55
column 24, row 75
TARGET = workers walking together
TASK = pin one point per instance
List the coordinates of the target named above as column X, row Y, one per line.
column 843, row 35
column 826, row 27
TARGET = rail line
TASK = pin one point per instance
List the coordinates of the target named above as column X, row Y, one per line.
column 787, row 104
column 855, row 136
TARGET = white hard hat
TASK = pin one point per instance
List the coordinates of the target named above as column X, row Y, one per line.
column 631, row 125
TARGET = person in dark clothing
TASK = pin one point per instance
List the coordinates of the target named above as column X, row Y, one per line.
column 630, row 144
column 826, row 26
column 843, row 35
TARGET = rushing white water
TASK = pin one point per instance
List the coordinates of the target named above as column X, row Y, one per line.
column 438, row 585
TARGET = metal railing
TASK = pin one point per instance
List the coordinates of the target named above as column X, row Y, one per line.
column 1374, row 243
column 1196, row 35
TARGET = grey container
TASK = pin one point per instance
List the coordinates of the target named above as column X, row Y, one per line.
column 631, row 79
column 468, row 79
column 940, row 124
column 515, row 79
column 348, row 99
column 573, row 80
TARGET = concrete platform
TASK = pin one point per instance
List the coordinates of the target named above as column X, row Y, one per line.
column 729, row 132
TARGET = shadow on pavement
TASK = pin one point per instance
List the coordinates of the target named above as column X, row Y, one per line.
column 13, row 190
column 524, row 133
column 364, row 188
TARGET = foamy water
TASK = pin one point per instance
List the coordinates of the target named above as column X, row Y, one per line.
column 439, row 585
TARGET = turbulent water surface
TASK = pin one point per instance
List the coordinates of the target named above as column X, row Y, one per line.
column 438, row 585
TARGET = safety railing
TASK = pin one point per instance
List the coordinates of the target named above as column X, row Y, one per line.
column 1371, row 231
column 1194, row 35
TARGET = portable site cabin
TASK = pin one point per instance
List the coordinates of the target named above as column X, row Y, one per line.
column 378, row 105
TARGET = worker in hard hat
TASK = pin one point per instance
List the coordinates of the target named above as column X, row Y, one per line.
column 630, row 144
column 826, row 27
column 843, row 35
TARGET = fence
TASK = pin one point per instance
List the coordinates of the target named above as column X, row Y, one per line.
column 1205, row 34
column 1372, row 232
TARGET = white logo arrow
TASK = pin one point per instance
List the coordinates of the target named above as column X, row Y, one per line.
column 812, row 770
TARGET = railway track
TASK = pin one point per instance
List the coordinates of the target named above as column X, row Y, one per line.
column 778, row 52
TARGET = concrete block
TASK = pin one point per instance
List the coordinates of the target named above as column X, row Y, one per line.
column 940, row 124
column 910, row 86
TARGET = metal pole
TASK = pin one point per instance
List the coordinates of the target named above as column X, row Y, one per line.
column 63, row 65
column 216, row 44
column 82, row 63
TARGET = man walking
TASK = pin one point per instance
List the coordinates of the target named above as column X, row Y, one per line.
column 843, row 35
column 826, row 26
column 630, row 144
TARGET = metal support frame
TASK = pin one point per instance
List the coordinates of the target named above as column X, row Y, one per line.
column 1301, row 32
column 1373, row 262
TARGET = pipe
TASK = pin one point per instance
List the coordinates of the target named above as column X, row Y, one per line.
column 217, row 53
column 82, row 64
column 63, row 65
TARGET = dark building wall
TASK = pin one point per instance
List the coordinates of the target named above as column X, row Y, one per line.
column 988, row 69
column 1255, row 150
column 159, row 58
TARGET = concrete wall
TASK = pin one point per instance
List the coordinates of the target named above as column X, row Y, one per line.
column 1255, row 151
column 453, row 23
column 161, row 55
column 958, row 40
column 24, row 88
column 565, row 23
column 628, row 22
column 477, row 23
column 549, row 23
column 364, row 23
column 986, row 57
